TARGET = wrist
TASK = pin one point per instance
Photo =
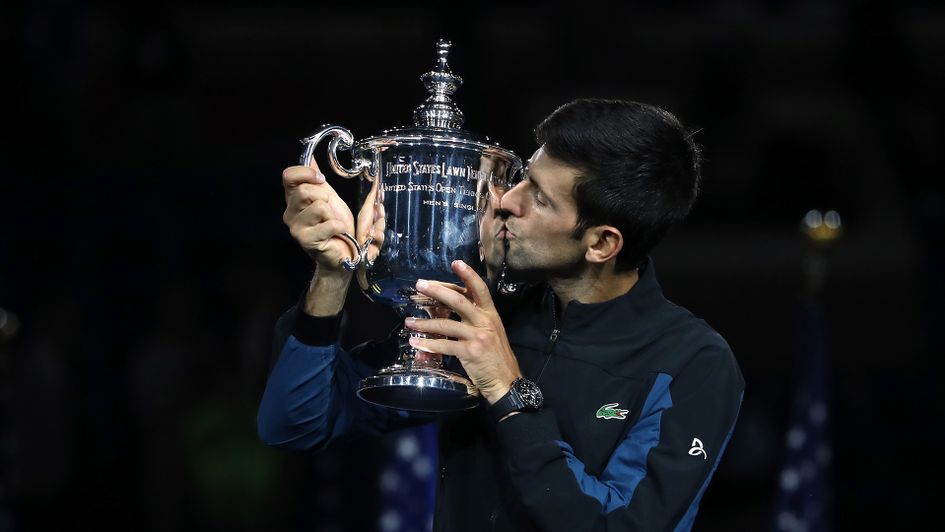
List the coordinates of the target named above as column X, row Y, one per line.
column 331, row 274
column 326, row 292
column 494, row 394
column 522, row 395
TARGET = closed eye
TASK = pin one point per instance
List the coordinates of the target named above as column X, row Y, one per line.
column 537, row 193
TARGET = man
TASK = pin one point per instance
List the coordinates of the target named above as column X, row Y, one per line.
column 639, row 396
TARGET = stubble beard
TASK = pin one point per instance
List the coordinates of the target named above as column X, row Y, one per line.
column 521, row 266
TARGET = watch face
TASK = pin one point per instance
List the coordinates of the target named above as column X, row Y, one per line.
column 530, row 393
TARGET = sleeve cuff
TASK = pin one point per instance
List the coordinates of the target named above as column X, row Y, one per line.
column 315, row 331
column 521, row 433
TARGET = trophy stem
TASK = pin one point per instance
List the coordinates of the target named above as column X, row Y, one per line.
column 418, row 380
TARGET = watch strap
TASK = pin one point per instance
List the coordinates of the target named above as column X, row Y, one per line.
column 508, row 403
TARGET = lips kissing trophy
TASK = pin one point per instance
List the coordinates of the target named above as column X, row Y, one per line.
column 424, row 188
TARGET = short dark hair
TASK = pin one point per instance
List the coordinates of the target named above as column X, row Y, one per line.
column 638, row 169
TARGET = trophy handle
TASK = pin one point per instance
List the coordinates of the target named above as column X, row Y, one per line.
column 343, row 138
column 359, row 257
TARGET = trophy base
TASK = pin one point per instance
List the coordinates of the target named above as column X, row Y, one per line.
column 422, row 390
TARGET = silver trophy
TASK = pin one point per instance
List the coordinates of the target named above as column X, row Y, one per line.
column 422, row 190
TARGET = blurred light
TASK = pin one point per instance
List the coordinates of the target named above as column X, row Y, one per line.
column 9, row 325
column 813, row 219
column 822, row 228
column 832, row 220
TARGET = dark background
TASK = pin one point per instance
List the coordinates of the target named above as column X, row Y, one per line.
column 143, row 253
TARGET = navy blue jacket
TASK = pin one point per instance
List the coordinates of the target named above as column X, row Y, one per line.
column 641, row 398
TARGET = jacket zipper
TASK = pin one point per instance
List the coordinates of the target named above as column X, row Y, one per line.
column 549, row 346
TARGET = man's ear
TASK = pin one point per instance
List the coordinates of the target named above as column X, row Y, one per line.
column 603, row 243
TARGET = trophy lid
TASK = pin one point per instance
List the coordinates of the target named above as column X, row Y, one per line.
column 439, row 110
column 438, row 121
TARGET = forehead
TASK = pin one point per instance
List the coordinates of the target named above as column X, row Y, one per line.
column 554, row 177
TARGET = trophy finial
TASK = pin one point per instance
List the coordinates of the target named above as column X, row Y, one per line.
column 442, row 50
column 439, row 110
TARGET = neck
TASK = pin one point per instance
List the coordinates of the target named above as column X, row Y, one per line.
column 595, row 284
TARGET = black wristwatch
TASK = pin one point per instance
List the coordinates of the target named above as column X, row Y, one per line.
column 524, row 395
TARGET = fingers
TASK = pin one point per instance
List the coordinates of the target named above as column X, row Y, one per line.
column 304, row 195
column 317, row 217
column 296, row 175
column 436, row 311
column 451, row 286
column 316, row 224
column 476, row 288
column 468, row 301
column 450, row 297
column 303, row 185
column 441, row 326
column 316, row 236
column 441, row 346
column 313, row 212
column 451, row 329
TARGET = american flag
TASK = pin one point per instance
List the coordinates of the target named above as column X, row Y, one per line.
column 804, row 494
column 408, row 482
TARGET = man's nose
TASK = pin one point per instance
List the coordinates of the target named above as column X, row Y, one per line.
column 510, row 204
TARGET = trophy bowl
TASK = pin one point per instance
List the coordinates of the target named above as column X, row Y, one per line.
column 423, row 189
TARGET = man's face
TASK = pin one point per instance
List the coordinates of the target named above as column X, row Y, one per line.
column 539, row 215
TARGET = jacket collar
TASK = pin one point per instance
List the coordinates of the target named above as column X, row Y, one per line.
column 636, row 303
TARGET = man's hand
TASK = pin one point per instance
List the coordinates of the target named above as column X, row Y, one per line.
column 316, row 217
column 478, row 340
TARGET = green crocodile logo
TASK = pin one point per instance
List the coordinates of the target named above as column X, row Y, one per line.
column 610, row 411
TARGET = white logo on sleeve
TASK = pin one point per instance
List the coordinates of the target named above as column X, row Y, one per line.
column 697, row 449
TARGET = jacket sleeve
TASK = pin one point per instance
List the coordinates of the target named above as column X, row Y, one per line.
column 655, row 477
column 310, row 396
